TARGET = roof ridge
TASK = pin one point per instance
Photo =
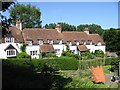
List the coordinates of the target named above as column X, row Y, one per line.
column 72, row 32
column 37, row 29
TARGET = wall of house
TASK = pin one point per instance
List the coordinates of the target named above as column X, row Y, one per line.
column 74, row 47
column 59, row 46
column 101, row 47
column 33, row 48
column 3, row 54
column 91, row 47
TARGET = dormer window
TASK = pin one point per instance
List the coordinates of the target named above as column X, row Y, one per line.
column 59, row 41
column 99, row 43
column 77, row 42
column 9, row 40
column 91, row 42
column 29, row 42
column 40, row 42
column 50, row 41
column 84, row 42
column 69, row 43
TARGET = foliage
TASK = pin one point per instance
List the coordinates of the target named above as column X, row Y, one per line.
column 51, row 55
column 112, row 38
column 30, row 15
column 23, row 55
column 107, row 69
column 23, row 48
column 92, row 28
column 87, row 55
column 99, row 53
column 65, row 26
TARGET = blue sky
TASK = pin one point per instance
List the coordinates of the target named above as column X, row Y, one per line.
column 104, row 14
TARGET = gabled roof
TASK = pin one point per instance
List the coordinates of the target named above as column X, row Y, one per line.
column 46, row 48
column 44, row 34
column 82, row 48
column 10, row 46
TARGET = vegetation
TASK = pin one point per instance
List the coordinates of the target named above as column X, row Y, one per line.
column 87, row 55
column 23, row 48
column 99, row 53
column 30, row 15
column 23, row 55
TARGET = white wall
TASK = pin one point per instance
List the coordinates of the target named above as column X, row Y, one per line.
column 74, row 48
column 59, row 46
column 33, row 48
column 3, row 54
column 91, row 47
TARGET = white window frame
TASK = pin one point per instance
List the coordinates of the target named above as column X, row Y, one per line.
column 50, row 41
column 29, row 42
column 77, row 42
column 40, row 42
column 99, row 43
column 9, row 40
column 57, row 51
column 11, row 52
column 59, row 41
column 33, row 53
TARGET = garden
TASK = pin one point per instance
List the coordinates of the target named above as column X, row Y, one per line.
column 57, row 73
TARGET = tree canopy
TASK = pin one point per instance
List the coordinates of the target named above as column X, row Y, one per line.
column 112, row 40
column 93, row 28
column 29, row 14
column 65, row 26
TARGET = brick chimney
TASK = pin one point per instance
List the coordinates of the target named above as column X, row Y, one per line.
column 86, row 30
column 19, row 24
column 58, row 27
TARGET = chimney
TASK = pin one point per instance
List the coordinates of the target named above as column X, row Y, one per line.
column 86, row 30
column 19, row 24
column 58, row 27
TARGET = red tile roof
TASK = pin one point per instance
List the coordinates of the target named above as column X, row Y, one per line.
column 46, row 48
column 82, row 48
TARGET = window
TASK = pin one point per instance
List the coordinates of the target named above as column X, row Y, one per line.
column 99, row 43
column 72, row 51
column 50, row 41
column 77, row 42
column 69, row 43
column 84, row 42
column 9, row 39
column 59, row 41
column 40, row 42
column 11, row 52
column 57, row 51
column 33, row 53
column 29, row 42
column 91, row 42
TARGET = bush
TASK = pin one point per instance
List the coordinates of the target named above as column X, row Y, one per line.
column 23, row 55
column 99, row 53
column 87, row 55
column 51, row 55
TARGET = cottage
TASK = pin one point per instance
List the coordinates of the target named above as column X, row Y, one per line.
column 48, row 40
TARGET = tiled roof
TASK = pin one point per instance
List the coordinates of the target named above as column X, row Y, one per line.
column 16, row 33
column 82, row 48
column 46, row 48
column 75, row 36
column 96, row 38
column 38, row 34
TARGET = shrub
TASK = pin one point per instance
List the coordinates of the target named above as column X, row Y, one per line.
column 99, row 53
column 51, row 55
column 87, row 55
column 23, row 55
column 23, row 48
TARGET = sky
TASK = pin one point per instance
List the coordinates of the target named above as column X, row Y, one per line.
column 104, row 14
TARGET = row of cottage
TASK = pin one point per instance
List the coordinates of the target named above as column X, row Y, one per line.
column 48, row 40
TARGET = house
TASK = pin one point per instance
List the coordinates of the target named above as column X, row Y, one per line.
column 48, row 40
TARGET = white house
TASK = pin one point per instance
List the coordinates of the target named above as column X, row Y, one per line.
column 48, row 40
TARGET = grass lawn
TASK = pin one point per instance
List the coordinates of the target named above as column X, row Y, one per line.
column 106, row 69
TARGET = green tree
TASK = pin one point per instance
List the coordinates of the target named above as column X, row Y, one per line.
column 99, row 53
column 65, row 26
column 23, row 48
column 30, row 15
column 93, row 28
column 112, row 40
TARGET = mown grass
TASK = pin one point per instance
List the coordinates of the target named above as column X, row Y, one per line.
column 106, row 69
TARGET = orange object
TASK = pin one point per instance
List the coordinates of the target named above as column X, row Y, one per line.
column 98, row 74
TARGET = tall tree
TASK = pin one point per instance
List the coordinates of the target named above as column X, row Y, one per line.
column 112, row 40
column 30, row 15
column 93, row 28
column 65, row 26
